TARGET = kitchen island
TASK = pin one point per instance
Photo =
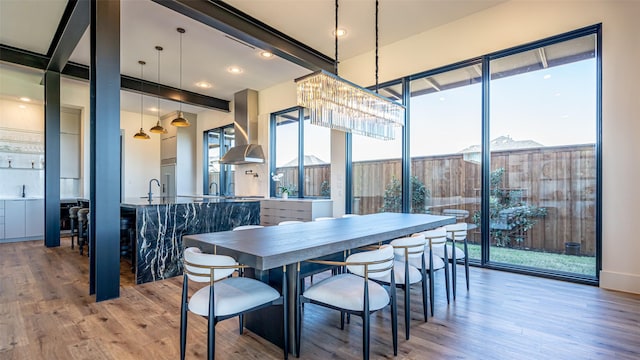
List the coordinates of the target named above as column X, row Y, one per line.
column 156, row 228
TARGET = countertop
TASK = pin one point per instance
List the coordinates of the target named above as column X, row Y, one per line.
column 162, row 200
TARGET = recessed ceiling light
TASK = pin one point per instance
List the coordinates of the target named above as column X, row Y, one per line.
column 234, row 70
column 547, row 77
column 22, row 106
column 203, row 84
column 266, row 54
column 25, row 99
column 153, row 109
column 340, row 32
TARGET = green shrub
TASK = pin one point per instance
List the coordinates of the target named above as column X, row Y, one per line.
column 510, row 217
column 393, row 196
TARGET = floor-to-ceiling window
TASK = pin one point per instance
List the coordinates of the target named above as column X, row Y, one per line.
column 377, row 168
column 285, row 143
column 292, row 142
column 526, row 120
column 445, row 138
column 543, row 130
column 219, row 177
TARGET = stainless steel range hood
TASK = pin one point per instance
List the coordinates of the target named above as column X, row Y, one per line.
column 246, row 150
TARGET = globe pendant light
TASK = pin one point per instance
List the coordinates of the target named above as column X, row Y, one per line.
column 158, row 129
column 180, row 121
column 141, row 135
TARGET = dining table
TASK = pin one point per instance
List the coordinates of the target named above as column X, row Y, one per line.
column 270, row 250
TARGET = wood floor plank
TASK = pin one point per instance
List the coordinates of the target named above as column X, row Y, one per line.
column 46, row 313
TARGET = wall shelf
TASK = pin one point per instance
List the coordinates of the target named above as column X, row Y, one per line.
column 22, row 148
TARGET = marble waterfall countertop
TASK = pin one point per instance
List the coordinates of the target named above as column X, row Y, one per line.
column 160, row 224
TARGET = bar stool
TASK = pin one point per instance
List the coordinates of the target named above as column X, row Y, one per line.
column 83, row 220
column 73, row 217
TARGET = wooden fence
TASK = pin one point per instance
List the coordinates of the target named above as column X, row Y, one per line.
column 562, row 179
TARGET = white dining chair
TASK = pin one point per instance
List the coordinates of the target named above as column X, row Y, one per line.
column 457, row 233
column 355, row 292
column 324, row 218
column 290, row 222
column 407, row 249
column 247, row 227
column 225, row 296
column 434, row 239
column 350, row 215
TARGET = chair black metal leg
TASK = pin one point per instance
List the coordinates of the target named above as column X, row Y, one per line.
column 424, row 294
column 454, row 272
column 466, row 263
column 285, row 314
column 183, row 319
column 211, row 328
column 407, row 299
column 446, row 274
column 297, row 320
column 365, row 319
column 394, row 319
column 407, row 310
column 365, row 335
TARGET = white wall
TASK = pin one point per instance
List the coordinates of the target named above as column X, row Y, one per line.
column 141, row 157
column 516, row 23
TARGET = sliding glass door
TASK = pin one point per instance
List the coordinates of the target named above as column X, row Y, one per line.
column 543, row 111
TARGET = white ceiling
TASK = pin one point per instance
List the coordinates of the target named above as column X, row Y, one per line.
column 208, row 53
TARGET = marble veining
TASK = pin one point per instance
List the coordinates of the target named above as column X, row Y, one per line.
column 160, row 227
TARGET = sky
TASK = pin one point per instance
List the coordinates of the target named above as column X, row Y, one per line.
column 553, row 106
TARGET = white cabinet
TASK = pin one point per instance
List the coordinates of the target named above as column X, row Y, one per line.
column 14, row 219
column 34, row 218
column 273, row 211
column 22, row 219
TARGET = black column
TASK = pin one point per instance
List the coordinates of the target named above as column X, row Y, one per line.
column 52, row 158
column 104, row 270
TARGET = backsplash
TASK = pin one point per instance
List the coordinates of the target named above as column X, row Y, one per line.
column 13, row 179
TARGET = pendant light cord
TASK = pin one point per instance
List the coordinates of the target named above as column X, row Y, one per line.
column 335, row 70
column 141, row 89
column 181, row 31
column 377, row 11
column 158, row 49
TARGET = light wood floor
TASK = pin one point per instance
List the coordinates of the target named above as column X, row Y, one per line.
column 45, row 313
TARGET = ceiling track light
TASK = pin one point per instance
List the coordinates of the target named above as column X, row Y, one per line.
column 180, row 121
column 158, row 129
column 141, row 135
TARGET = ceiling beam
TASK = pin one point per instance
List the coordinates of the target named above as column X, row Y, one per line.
column 242, row 26
column 73, row 24
column 38, row 61
column 22, row 57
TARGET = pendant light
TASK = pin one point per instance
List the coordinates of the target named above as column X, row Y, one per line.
column 180, row 121
column 158, row 129
column 339, row 104
column 141, row 135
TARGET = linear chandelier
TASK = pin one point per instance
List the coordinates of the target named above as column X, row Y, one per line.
column 339, row 104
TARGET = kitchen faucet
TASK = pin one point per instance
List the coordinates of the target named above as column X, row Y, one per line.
column 216, row 184
column 151, row 193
